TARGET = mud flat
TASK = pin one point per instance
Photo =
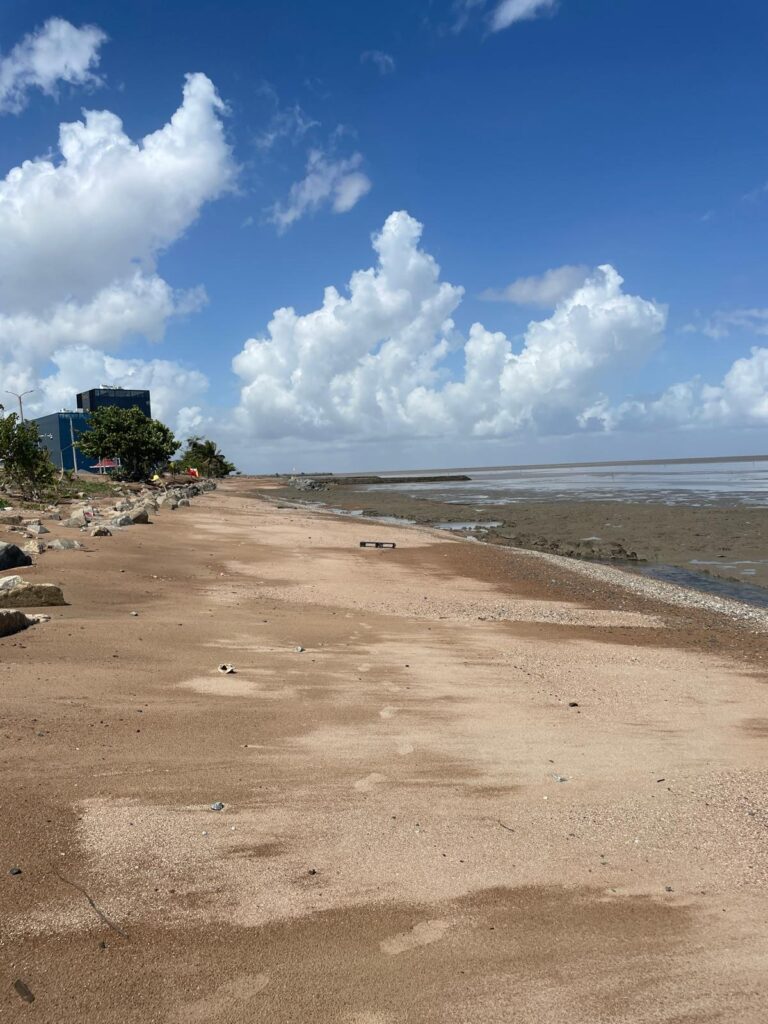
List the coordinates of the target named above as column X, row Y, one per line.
column 460, row 782
column 725, row 541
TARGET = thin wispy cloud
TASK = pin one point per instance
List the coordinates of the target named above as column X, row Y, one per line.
column 383, row 62
column 56, row 52
column 756, row 194
column 725, row 322
column 286, row 123
column 508, row 12
column 338, row 183
column 544, row 290
column 501, row 14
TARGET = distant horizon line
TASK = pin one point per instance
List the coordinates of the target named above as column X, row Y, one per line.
column 694, row 460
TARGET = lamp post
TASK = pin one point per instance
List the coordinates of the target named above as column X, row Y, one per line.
column 19, row 396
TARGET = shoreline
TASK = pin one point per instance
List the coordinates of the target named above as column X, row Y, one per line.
column 721, row 541
column 425, row 755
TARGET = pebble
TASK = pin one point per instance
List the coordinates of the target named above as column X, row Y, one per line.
column 218, row 806
column 23, row 991
column 15, row 871
column 572, row 704
column 299, row 650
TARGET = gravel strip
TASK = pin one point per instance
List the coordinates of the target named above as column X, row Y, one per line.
column 657, row 590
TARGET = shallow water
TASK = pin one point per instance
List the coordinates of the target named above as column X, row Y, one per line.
column 693, row 484
column 732, row 589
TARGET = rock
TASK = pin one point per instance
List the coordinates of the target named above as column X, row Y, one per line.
column 298, row 650
column 101, row 531
column 35, row 529
column 183, row 503
column 14, row 621
column 59, row 544
column 23, row 991
column 18, row 593
column 134, row 613
column 218, row 806
column 172, row 503
column 34, row 547
column 139, row 515
column 15, row 871
column 226, row 669
column 123, row 520
column 54, row 517
column 572, row 704
column 10, row 519
column 306, row 483
column 12, row 557
column 74, row 522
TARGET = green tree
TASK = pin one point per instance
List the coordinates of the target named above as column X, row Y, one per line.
column 142, row 445
column 24, row 464
column 205, row 457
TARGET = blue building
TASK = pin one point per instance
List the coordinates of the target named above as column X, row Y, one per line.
column 58, row 433
column 123, row 398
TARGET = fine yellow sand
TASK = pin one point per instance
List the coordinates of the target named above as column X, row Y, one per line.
column 417, row 824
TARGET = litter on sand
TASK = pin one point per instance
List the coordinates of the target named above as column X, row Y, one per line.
column 377, row 544
column 226, row 669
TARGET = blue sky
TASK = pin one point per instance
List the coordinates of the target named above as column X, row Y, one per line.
column 583, row 133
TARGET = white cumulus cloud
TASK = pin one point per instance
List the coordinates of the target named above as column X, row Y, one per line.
column 373, row 363
column 338, row 183
column 56, row 52
column 544, row 290
column 510, row 11
column 173, row 386
column 740, row 401
column 80, row 235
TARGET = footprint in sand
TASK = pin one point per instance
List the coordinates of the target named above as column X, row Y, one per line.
column 366, row 784
column 231, row 997
column 421, row 934
column 389, row 711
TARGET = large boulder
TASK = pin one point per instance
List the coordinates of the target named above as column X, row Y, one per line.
column 139, row 515
column 13, row 622
column 12, row 557
column 101, row 531
column 16, row 592
column 121, row 520
column 9, row 519
column 59, row 544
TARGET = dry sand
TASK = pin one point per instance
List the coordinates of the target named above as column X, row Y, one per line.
column 417, row 827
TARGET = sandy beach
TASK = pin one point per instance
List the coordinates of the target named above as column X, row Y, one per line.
column 460, row 783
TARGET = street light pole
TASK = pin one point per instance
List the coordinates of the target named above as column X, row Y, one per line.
column 19, row 396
